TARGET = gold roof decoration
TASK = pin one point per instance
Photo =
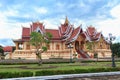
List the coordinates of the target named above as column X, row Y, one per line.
column 66, row 21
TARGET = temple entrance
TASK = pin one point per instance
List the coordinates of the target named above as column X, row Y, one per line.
column 79, row 45
column 76, row 45
column 79, row 49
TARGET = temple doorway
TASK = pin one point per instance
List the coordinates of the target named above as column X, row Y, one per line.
column 79, row 45
column 76, row 45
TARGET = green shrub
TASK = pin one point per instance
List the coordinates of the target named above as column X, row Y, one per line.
column 56, row 72
column 15, row 74
column 81, row 70
column 47, row 72
column 26, row 74
column 75, row 71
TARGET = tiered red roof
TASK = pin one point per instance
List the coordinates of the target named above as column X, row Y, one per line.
column 91, row 34
column 66, row 32
column 75, row 34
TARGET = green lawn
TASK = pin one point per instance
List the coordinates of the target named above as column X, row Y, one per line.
column 61, row 66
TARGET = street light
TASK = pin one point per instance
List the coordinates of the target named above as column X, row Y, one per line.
column 70, row 46
column 110, row 39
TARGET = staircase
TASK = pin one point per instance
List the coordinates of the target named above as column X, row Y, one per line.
column 83, row 54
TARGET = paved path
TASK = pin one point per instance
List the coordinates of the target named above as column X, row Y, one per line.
column 85, row 76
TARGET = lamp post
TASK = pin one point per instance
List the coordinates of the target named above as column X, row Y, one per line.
column 70, row 46
column 110, row 39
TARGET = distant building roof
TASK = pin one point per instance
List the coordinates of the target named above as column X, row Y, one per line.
column 7, row 49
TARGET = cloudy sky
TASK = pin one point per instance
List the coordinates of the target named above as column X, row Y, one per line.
column 102, row 14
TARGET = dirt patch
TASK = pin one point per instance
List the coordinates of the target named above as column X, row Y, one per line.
column 25, row 67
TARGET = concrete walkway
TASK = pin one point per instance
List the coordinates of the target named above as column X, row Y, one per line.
column 67, row 76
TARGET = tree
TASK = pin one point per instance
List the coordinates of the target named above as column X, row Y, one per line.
column 1, row 53
column 115, row 49
column 40, row 42
column 91, row 48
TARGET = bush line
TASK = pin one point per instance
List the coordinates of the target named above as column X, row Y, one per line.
column 54, row 72
column 74, row 71
column 15, row 74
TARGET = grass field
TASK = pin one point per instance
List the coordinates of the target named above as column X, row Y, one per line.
column 61, row 66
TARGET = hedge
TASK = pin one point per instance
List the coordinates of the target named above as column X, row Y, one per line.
column 75, row 71
column 15, row 74
column 54, row 72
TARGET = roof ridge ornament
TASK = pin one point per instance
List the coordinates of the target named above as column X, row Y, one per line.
column 66, row 21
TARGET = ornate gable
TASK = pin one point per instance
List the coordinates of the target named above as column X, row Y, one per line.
column 92, row 34
column 37, row 25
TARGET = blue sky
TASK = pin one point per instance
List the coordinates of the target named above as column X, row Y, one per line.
column 102, row 14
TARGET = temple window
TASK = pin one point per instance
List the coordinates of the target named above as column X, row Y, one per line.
column 20, row 46
column 103, row 54
column 101, row 45
column 28, row 46
column 57, row 47
column 39, row 31
column 108, row 47
column 48, row 46
column 66, row 46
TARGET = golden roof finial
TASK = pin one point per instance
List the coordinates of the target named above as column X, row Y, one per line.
column 66, row 21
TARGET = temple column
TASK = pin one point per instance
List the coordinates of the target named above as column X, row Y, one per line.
column 17, row 45
column 54, row 45
column 50, row 46
column 24, row 45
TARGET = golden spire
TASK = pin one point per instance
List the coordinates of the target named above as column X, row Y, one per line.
column 66, row 21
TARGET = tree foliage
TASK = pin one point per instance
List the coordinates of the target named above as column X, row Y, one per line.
column 91, row 48
column 115, row 48
column 1, row 50
column 40, row 42
column 1, row 53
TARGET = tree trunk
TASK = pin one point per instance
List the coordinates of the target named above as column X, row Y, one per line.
column 39, row 59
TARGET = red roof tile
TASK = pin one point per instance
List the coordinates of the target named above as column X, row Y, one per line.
column 26, row 31
column 63, row 29
column 7, row 49
column 92, row 34
column 75, row 32
column 91, row 30
column 98, row 35
column 54, row 33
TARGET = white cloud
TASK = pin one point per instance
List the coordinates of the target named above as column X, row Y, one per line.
column 115, row 12
column 41, row 10
column 53, row 23
column 109, row 25
column 11, row 12
column 84, row 7
column 93, row 1
column 12, row 30
column 60, row 5
column 111, row 3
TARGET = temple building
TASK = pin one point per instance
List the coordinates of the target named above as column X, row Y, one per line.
column 67, row 42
